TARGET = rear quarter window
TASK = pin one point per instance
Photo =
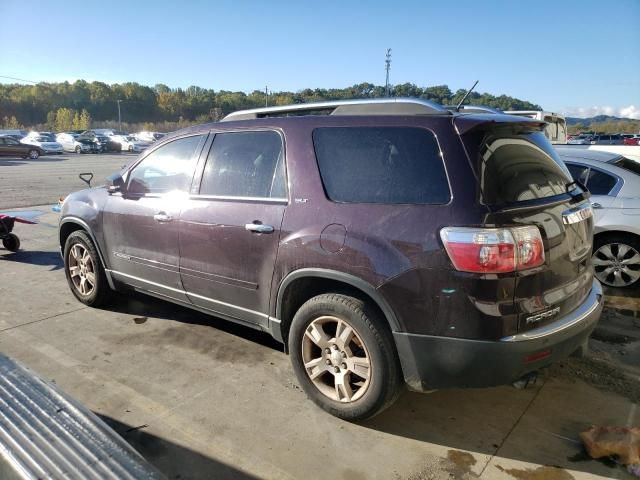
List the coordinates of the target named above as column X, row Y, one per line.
column 391, row 165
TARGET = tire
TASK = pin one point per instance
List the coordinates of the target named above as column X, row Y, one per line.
column 11, row 242
column 616, row 260
column 78, row 149
column 34, row 154
column 130, row 148
column 338, row 390
column 76, row 268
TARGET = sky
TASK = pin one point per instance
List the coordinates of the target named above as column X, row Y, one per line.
column 577, row 57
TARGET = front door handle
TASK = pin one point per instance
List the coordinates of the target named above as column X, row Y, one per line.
column 596, row 205
column 258, row 228
column 162, row 217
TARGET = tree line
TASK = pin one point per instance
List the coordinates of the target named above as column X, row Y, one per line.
column 67, row 105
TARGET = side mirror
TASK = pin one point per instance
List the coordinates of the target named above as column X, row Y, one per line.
column 115, row 183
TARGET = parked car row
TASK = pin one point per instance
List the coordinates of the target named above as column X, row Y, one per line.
column 97, row 140
column 604, row 139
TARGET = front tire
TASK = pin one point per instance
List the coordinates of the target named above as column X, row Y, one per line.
column 344, row 356
column 84, row 272
column 78, row 149
column 34, row 154
column 11, row 242
column 616, row 260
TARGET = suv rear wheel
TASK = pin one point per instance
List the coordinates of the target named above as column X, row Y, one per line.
column 84, row 271
column 344, row 356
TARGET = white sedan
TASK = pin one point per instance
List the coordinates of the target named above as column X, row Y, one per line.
column 45, row 143
column 130, row 144
column 614, row 183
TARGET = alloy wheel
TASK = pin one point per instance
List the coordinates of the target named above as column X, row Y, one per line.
column 336, row 359
column 81, row 270
column 616, row 264
column 33, row 154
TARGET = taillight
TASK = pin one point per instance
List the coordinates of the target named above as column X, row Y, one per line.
column 493, row 250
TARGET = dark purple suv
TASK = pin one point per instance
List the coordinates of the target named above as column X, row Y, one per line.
column 379, row 240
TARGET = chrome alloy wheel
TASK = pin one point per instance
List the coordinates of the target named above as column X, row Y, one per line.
column 336, row 359
column 81, row 269
column 616, row 264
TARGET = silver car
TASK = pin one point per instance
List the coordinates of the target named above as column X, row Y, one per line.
column 614, row 183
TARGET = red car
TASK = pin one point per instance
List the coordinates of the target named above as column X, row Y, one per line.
column 634, row 140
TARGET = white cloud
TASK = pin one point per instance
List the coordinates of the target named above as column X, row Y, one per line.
column 584, row 112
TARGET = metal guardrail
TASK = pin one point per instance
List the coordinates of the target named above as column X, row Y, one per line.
column 45, row 434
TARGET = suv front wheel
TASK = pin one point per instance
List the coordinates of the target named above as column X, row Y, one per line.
column 344, row 357
column 84, row 271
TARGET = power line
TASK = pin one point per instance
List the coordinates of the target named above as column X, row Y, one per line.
column 19, row 79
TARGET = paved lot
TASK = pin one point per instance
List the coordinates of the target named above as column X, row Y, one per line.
column 24, row 183
column 201, row 398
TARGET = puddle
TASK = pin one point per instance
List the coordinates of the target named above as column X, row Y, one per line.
column 540, row 473
column 460, row 463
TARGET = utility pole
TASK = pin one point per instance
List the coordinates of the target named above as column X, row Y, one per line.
column 266, row 96
column 387, row 63
column 119, row 119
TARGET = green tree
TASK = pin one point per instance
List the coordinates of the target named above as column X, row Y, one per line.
column 64, row 119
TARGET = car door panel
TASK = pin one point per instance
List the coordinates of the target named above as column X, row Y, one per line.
column 141, row 224
column 230, row 228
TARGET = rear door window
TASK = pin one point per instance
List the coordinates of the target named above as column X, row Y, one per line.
column 245, row 164
column 517, row 167
column 600, row 183
column 388, row 165
column 578, row 172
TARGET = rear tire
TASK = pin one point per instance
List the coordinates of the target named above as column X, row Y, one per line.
column 616, row 260
column 344, row 356
column 78, row 149
column 34, row 154
column 11, row 242
column 84, row 272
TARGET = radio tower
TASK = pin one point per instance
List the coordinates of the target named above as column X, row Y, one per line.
column 387, row 63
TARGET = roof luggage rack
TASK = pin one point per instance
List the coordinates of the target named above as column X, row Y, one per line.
column 378, row 106
column 473, row 109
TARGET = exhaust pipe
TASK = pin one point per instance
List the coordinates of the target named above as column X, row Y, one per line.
column 526, row 380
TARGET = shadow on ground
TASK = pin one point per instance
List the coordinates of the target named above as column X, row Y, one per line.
column 42, row 258
column 174, row 461
column 20, row 161
column 145, row 306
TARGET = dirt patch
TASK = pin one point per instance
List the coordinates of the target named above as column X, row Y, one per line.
column 598, row 373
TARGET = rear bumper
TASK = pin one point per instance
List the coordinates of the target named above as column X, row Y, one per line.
column 430, row 362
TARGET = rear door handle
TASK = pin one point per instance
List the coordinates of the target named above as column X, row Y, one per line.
column 596, row 205
column 258, row 228
column 162, row 217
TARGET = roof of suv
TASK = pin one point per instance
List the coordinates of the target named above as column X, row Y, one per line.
column 390, row 107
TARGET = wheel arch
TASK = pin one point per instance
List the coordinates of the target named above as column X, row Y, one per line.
column 69, row 225
column 301, row 285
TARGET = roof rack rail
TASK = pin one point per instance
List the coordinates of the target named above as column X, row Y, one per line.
column 376, row 106
column 473, row 109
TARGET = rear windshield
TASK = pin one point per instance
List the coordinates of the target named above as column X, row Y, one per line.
column 630, row 165
column 381, row 165
column 517, row 167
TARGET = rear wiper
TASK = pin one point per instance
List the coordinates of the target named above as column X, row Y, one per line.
column 583, row 195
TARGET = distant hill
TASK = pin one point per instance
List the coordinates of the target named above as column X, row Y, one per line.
column 597, row 119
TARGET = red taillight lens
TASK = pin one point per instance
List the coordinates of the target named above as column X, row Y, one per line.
column 493, row 250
